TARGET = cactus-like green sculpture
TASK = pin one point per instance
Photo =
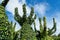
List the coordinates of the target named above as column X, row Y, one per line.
column 45, row 27
column 23, row 19
column 26, row 30
column 41, row 26
column 44, row 33
column 53, row 30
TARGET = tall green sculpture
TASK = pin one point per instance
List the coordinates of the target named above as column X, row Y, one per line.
column 25, row 22
column 23, row 19
column 44, row 33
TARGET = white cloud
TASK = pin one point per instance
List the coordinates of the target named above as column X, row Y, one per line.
column 12, row 4
column 28, row 10
column 57, row 16
column 17, row 27
column 41, row 8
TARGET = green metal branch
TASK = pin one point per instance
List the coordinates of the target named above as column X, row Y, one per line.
column 53, row 30
column 41, row 27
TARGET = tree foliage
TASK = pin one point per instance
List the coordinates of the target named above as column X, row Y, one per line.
column 7, row 29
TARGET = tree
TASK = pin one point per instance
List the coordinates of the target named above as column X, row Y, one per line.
column 7, row 29
column 3, row 22
column 4, row 3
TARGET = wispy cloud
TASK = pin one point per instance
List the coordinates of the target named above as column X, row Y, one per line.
column 16, row 3
column 41, row 8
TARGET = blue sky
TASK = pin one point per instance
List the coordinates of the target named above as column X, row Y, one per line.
column 48, row 8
